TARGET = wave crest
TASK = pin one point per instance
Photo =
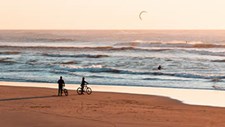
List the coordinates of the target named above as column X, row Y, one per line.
column 9, row 53
column 78, row 55
column 218, row 60
column 6, row 61
column 207, row 46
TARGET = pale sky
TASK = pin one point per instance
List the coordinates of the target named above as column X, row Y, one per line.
column 112, row 14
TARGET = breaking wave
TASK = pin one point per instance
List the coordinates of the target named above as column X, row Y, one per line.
column 9, row 53
column 6, row 61
column 156, row 47
column 218, row 60
column 54, row 40
column 79, row 55
column 171, row 44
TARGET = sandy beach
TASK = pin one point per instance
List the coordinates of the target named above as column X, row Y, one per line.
column 41, row 107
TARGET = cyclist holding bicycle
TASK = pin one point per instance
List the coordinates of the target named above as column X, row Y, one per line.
column 61, row 83
column 83, row 83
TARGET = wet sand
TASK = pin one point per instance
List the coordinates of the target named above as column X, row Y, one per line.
column 41, row 107
column 213, row 97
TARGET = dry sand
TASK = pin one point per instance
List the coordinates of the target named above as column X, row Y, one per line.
column 40, row 107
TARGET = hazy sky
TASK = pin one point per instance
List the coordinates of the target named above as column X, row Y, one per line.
column 112, row 14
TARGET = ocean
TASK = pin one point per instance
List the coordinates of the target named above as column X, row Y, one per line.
column 190, row 59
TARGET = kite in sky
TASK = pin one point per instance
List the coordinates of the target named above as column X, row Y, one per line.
column 140, row 14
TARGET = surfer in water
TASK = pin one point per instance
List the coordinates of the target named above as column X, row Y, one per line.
column 159, row 67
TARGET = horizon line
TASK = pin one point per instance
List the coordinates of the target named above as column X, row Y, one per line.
column 110, row 29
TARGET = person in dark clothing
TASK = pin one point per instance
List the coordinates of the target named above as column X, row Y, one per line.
column 159, row 67
column 83, row 83
column 60, row 86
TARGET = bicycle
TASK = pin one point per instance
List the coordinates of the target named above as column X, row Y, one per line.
column 65, row 91
column 87, row 90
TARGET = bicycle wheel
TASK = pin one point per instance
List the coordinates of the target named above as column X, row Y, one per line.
column 88, row 90
column 66, row 92
column 79, row 90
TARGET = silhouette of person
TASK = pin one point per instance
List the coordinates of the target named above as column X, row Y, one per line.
column 60, row 86
column 159, row 67
column 83, row 83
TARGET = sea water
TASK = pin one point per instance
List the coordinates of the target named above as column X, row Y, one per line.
column 190, row 59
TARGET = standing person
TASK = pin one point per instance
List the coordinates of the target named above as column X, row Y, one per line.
column 83, row 82
column 60, row 86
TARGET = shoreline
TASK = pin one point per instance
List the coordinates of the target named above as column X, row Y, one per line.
column 212, row 98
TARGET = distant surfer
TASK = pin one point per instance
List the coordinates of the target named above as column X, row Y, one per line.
column 159, row 67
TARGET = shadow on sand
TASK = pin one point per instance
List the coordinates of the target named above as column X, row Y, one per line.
column 27, row 98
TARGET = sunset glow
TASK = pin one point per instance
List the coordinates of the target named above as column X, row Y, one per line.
column 112, row 14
